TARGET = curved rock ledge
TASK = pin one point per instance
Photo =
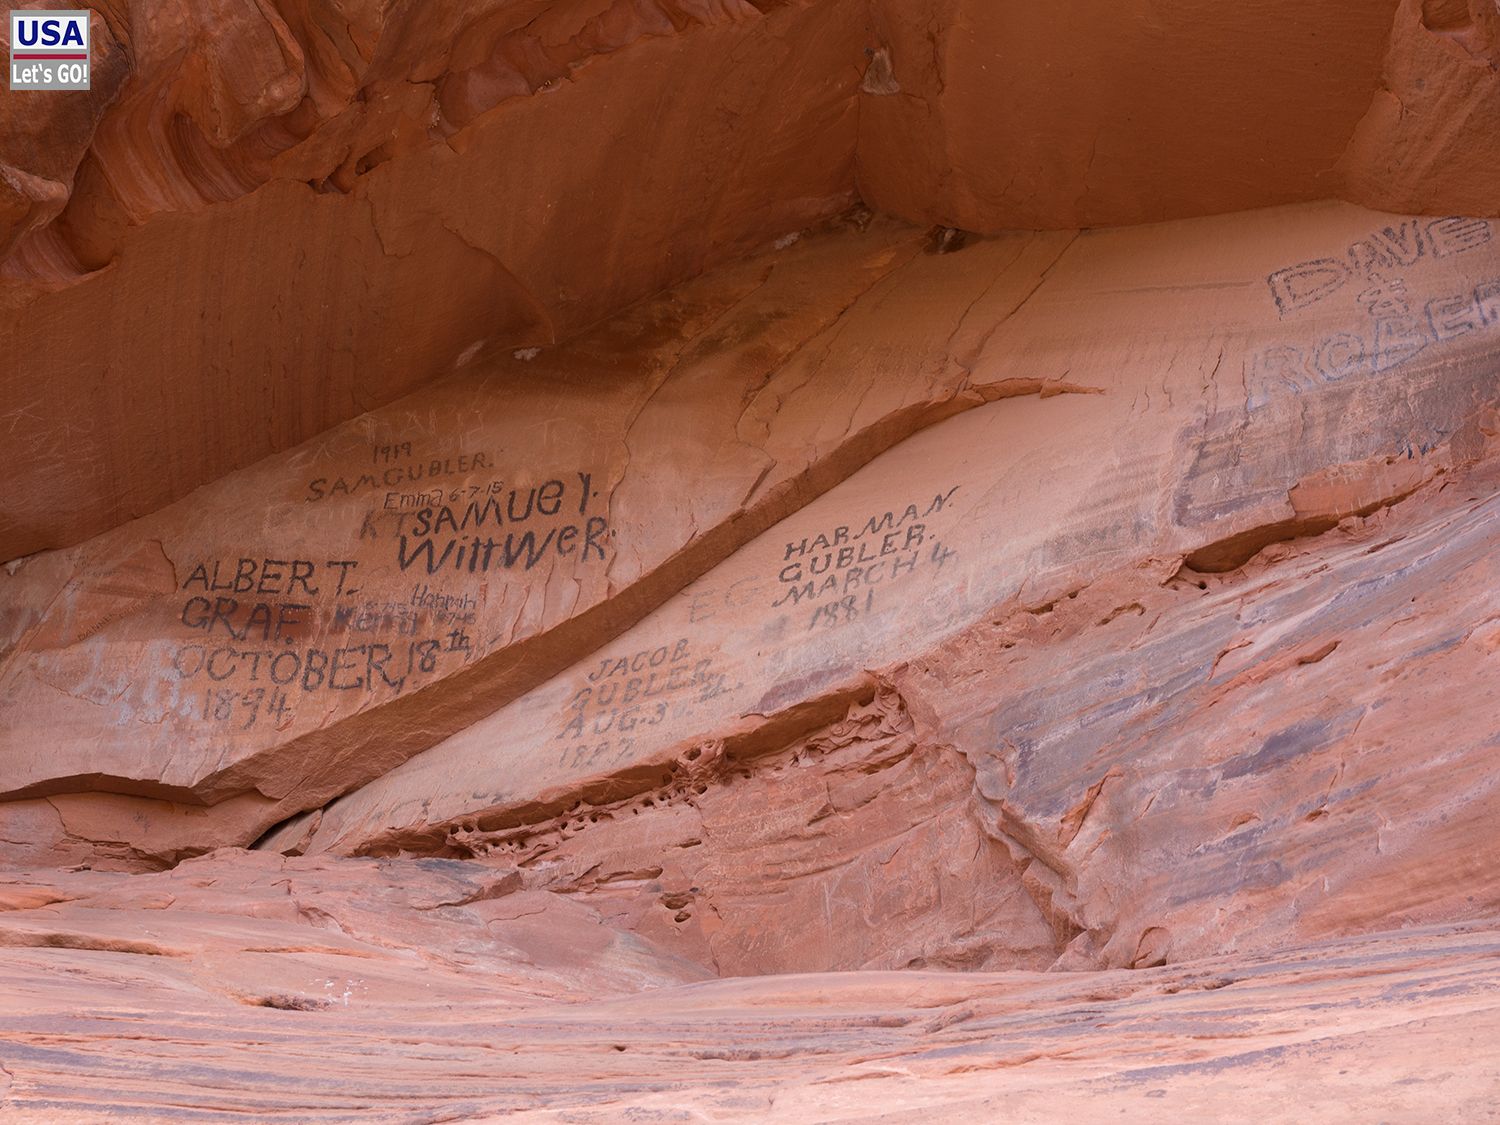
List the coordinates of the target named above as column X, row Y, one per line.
column 798, row 560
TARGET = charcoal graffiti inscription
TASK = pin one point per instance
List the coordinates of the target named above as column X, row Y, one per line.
column 484, row 527
column 839, row 570
column 265, row 625
column 626, row 696
column 394, row 466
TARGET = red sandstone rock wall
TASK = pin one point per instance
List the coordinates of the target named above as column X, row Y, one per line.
column 641, row 601
column 332, row 167
column 515, row 514
column 332, row 170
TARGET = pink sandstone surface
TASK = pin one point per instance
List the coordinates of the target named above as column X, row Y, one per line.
column 586, row 560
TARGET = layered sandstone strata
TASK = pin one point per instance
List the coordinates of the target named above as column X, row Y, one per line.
column 302, row 628
column 248, row 987
column 518, row 515
column 331, row 165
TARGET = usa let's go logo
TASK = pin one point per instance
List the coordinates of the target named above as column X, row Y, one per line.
column 49, row 50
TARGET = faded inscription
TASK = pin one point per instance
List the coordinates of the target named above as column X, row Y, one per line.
column 627, row 696
column 1395, row 319
column 259, row 625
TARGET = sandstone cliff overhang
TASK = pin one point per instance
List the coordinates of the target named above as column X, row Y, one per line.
column 789, row 558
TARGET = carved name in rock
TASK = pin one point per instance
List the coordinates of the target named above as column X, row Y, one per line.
column 1408, row 317
column 394, row 467
column 1375, row 262
column 627, row 696
column 1396, row 284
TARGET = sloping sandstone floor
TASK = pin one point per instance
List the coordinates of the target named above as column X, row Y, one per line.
column 250, row 987
column 878, row 624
